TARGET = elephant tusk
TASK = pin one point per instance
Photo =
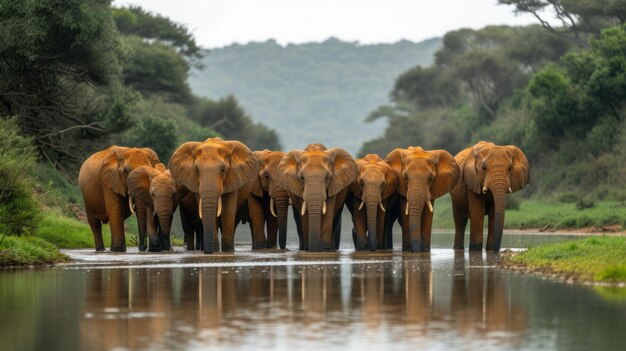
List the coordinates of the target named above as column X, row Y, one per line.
column 303, row 211
column 131, row 205
column 219, row 206
column 324, row 207
column 272, row 207
column 406, row 210
column 430, row 206
column 361, row 205
column 510, row 190
column 290, row 201
column 484, row 189
column 382, row 208
column 200, row 208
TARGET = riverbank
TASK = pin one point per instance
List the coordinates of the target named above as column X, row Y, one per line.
column 597, row 259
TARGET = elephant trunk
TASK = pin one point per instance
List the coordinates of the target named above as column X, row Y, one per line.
column 281, row 201
column 499, row 192
column 372, row 215
column 142, row 224
column 208, row 209
column 417, row 198
column 165, row 226
column 314, row 209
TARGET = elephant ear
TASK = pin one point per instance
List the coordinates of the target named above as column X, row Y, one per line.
column 520, row 174
column 288, row 169
column 112, row 176
column 345, row 171
column 243, row 168
column 394, row 160
column 447, row 173
column 139, row 185
column 181, row 166
column 152, row 156
column 160, row 167
column 469, row 175
column 355, row 188
column 391, row 180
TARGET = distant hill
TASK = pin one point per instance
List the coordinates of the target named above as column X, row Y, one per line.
column 314, row 92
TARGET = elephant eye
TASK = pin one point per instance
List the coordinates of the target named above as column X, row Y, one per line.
column 510, row 168
column 360, row 182
column 301, row 177
column 484, row 167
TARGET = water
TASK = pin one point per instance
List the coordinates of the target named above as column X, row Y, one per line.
column 286, row 301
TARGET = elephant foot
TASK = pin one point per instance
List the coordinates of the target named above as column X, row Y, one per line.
column 327, row 246
column 475, row 247
column 154, row 248
column 118, row 248
column 459, row 247
column 141, row 248
column 413, row 245
column 271, row 246
column 99, row 248
column 228, row 247
column 258, row 245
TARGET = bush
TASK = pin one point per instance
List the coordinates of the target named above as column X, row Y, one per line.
column 513, row 202
column 19, row 211
column 585, row 203
column 567, row 198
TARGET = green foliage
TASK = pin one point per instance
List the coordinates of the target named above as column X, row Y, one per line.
column 156, row 133
column 61, row 75
column 313, row 92
column 19, row 212
column 595, row 258
column 135, row 21
column 28, row 250
column 67, row 233
column 156, row 68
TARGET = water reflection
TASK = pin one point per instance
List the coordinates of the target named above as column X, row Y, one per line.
column 439, row 300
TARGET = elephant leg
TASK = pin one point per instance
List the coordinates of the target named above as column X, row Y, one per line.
column 272, row 231
column 380, row 227
column 404, row 223
column 227, row 219
column 491, row 227
column 116, row 210
column 360, row 230
column 96, row 229
column 460, row 222
column 427, row 227
column 257, row 219
column 337, row 227
column 154, row 244
column 477, row 216
column 199, row 235
column 327, row 240
column 187, row 229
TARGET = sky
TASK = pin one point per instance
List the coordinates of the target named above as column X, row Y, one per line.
column 221, row 23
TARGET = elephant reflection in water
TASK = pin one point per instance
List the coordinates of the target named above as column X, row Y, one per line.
column 481, row 299
column 121, row 305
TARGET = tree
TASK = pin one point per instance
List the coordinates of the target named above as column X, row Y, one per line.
column 60, row 73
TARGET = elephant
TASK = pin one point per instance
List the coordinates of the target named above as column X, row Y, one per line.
column 367, row 201
column 268, row 202
column 221, row 174
column 488, row 173
column 317, row 180
column 103, row 182
column 423, row 176
column 155, row 189
column 191, row 222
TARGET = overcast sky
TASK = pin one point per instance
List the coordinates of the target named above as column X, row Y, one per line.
column 219, row 23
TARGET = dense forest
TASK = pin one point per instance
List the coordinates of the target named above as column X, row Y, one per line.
column 77, row 76
column 557, row 92
column 314, row 92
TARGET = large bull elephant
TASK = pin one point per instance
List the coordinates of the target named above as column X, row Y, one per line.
column 154, row 192
column 103, row 182
column 268, row 202
column 423, row 176
column 488, row 173
column 368, row 199
column 318, row 180
column 218, row 172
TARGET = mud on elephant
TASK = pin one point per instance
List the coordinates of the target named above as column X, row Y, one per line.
column 488, row 173
column 317, row 179
column 153, row 191
column 423, row 176
column 221, row 175
column 103, row 182
column 368, row 199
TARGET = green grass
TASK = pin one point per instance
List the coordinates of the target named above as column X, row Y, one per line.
column 28, row 250
column 598, row 258
column 536, row 213
column 68, row 233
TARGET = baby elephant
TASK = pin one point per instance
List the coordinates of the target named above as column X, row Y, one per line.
column 152, row 193
column 368, row 198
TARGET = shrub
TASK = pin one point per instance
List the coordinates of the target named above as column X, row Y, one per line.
column 567, row 198
column 513, row 202
column 19, row 211
column 585, row 203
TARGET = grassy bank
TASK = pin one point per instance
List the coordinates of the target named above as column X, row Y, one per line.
column 599, row 258
column 28, row 250
column 536, row 213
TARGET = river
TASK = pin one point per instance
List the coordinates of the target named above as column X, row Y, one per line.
column 290, row 301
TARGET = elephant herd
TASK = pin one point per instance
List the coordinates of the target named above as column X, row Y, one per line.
column 217, row 184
